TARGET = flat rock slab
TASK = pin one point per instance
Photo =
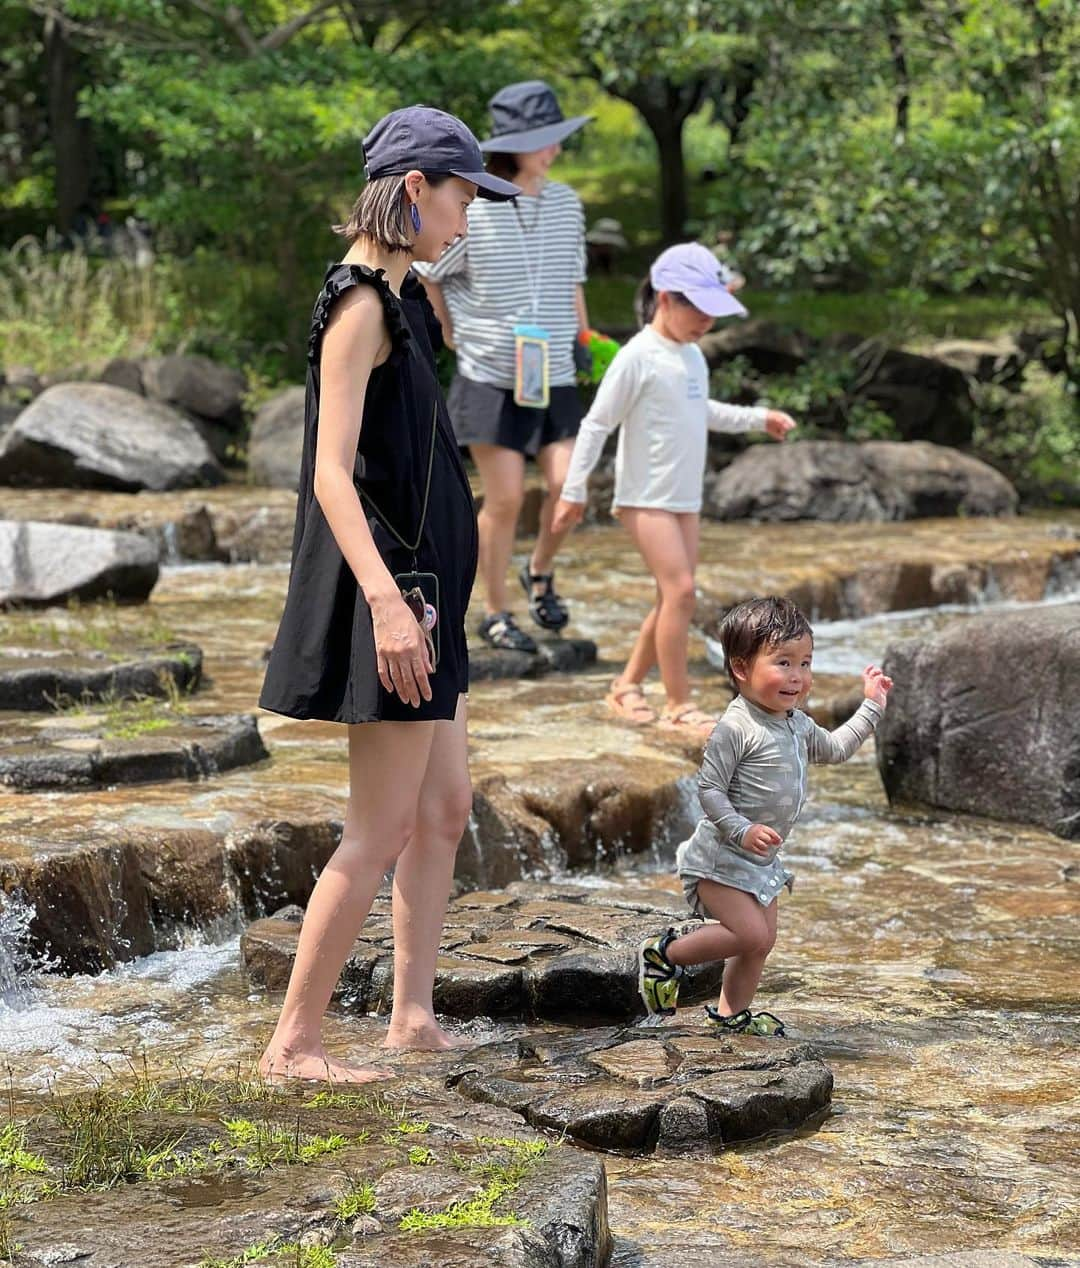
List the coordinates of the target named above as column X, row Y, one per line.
column 532, row 950
column 62, row 757
column 562, row 655
column 420, row 1149
column 34, row 680
column 670, row 1089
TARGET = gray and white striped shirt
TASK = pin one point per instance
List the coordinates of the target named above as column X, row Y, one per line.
column 517, row 264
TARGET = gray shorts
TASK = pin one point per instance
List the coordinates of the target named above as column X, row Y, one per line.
column 705, row 857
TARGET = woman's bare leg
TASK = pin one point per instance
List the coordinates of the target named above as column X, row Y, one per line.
column 742, row 937
column 387, row 761
column 554, row 462
column 502, row 479
column 422, row 881
column 662, row 543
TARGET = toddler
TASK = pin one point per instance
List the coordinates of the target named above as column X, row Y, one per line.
column 752, row 785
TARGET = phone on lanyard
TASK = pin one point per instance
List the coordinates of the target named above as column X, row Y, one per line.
column 532, row 370
column 420, row 590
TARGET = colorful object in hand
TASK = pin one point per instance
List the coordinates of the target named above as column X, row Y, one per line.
column 593, row 353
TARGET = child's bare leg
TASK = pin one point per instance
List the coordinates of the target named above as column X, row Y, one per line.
column 643, row 656
column 659, row 538
column 422, row 881
column 742, row 972
column 744, row 932
column 387, row 761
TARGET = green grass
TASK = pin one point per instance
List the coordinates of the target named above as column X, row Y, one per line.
column 267, row 1144
column 900, row 317
column 478, row 1212
column 909, row 317
column 102, row 626
column 358, row 1201
column 62, row 309
column 14, row 1156
column 287, row 1254
column 503, row 1173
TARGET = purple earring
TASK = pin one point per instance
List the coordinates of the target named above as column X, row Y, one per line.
column 414, row 211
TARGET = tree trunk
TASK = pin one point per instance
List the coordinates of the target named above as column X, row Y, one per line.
column 667, row 129
column 73, row 148
column 901, row 78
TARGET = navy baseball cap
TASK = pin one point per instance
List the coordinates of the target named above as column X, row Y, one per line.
column 433, row 142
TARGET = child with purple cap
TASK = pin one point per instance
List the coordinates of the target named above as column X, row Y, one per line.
column 657, row 389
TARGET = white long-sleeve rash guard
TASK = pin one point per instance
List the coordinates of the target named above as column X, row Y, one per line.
column 658, row 390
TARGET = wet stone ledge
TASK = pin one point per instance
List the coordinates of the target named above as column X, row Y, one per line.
column 671, row 1089
column 533, row 950
column 123, row 895
column 76, row 753
column 34, row 680
column 405, row 1174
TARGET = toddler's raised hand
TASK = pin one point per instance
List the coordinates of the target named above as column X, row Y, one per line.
column 778, row 424
column 876, row 686
column 759, row 838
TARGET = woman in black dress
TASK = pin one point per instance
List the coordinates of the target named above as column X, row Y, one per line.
column 383, row 497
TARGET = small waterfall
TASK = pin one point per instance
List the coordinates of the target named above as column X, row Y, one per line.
column 19, row 963
column 170, row 543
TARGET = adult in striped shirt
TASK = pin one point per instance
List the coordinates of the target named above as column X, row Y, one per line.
column 523, row 263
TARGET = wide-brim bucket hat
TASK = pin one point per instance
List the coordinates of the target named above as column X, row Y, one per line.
column 526, row 117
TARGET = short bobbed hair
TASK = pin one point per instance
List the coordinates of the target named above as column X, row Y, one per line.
column 381, row 213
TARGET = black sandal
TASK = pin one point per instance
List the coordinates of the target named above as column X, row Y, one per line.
column 546, row 608
column 501, row 631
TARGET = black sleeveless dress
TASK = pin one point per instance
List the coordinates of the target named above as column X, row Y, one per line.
column 322, row 664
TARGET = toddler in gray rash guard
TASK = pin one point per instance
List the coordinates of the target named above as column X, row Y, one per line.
column 752, row 785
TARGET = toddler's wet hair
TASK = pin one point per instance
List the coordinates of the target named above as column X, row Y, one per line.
column 760, row 623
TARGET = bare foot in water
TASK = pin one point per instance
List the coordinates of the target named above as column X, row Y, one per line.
column 284, row 1065
column 422, row 1036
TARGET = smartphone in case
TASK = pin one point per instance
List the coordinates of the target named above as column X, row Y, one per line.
column 428, row 585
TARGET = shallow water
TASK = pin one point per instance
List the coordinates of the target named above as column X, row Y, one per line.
column 933, row 959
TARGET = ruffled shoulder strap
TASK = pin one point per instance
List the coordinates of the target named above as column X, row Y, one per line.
column 343, row 277
column 412, row 288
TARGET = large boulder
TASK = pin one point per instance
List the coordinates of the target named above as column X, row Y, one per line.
column 1000, row 360
column 983, row 718
column 277, row 439
column 837, row 480
column 198, row 385
column 926, row 398
column 770, row 348
column 93, row 435
column 50, row 563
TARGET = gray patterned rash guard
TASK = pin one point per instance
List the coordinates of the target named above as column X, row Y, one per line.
column 754, row 771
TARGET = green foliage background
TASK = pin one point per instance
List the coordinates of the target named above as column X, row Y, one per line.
column 911, row 166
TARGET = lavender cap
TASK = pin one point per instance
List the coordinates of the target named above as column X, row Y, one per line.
column 695, row 272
